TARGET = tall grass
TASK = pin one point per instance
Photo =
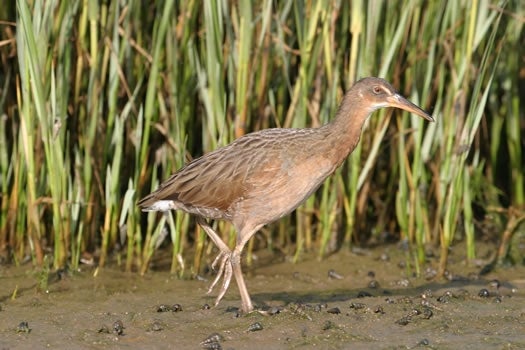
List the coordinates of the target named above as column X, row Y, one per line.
column 102, row 101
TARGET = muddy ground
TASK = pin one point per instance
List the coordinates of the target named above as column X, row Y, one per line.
column 351, row 300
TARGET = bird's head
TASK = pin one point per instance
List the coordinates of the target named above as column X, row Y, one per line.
column 375, row 93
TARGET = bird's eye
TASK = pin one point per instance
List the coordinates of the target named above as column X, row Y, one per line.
column 377, row 90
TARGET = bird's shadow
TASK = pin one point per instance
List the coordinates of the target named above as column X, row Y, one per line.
column 364, row 294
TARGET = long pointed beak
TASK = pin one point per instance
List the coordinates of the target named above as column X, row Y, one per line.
column 399, row 101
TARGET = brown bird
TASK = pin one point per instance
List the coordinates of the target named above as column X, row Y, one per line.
column 265, row 175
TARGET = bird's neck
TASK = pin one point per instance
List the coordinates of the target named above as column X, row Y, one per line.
column 344, row 130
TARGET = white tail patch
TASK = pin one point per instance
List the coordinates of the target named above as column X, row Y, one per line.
column 162, row 205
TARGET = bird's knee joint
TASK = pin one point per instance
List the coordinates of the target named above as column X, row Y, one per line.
column 235, row 259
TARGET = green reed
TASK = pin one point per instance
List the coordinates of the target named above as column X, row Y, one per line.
column 106, row 100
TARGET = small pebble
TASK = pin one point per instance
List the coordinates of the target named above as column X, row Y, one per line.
column 443, row 299
column 176, row 308
column 232, row 309
column 404, row 321
column 156, row 326
column 212, row 342
column 295, row 307
column 163, row 308
column 212, row 338
column 23, row 327
column 270, row 312
column 373, row 284
column 427, row 313
column 430, row 273
column 415, row 312
column 407, row 300
column 379, row 310
column 426, row 302
column 426, row 294
column 424, row 342
column 403, row 283
column 212, row 346
column 357, row 306
column 334, row 275
column 334, row 310
column 484, row 293
column 274, row 311
column 495, row 284
column 363, row 294
column 257, row 326
column 319, row 307
column 118, row 327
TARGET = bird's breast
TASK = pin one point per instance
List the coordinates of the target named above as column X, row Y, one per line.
column 281, row 187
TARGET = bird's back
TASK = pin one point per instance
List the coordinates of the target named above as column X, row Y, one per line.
column 262, row 175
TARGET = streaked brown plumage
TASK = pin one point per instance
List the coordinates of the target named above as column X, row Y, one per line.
column 265, row 175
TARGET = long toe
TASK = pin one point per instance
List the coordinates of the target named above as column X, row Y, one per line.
column 228, row 272
column 220, row 257
column 225, row 261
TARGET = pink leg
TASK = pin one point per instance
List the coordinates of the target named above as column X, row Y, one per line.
column 230, row 263
column 223, row 258
column 244, row 235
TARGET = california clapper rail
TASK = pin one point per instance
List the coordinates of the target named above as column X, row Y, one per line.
column 265, row 175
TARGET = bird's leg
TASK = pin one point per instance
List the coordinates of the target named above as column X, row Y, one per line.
column 224, row 257
column 246, row 301
column 214, row 237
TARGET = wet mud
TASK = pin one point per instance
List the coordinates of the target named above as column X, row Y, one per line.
column 366, row 299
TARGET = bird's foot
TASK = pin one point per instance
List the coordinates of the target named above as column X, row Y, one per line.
column 225, row 272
